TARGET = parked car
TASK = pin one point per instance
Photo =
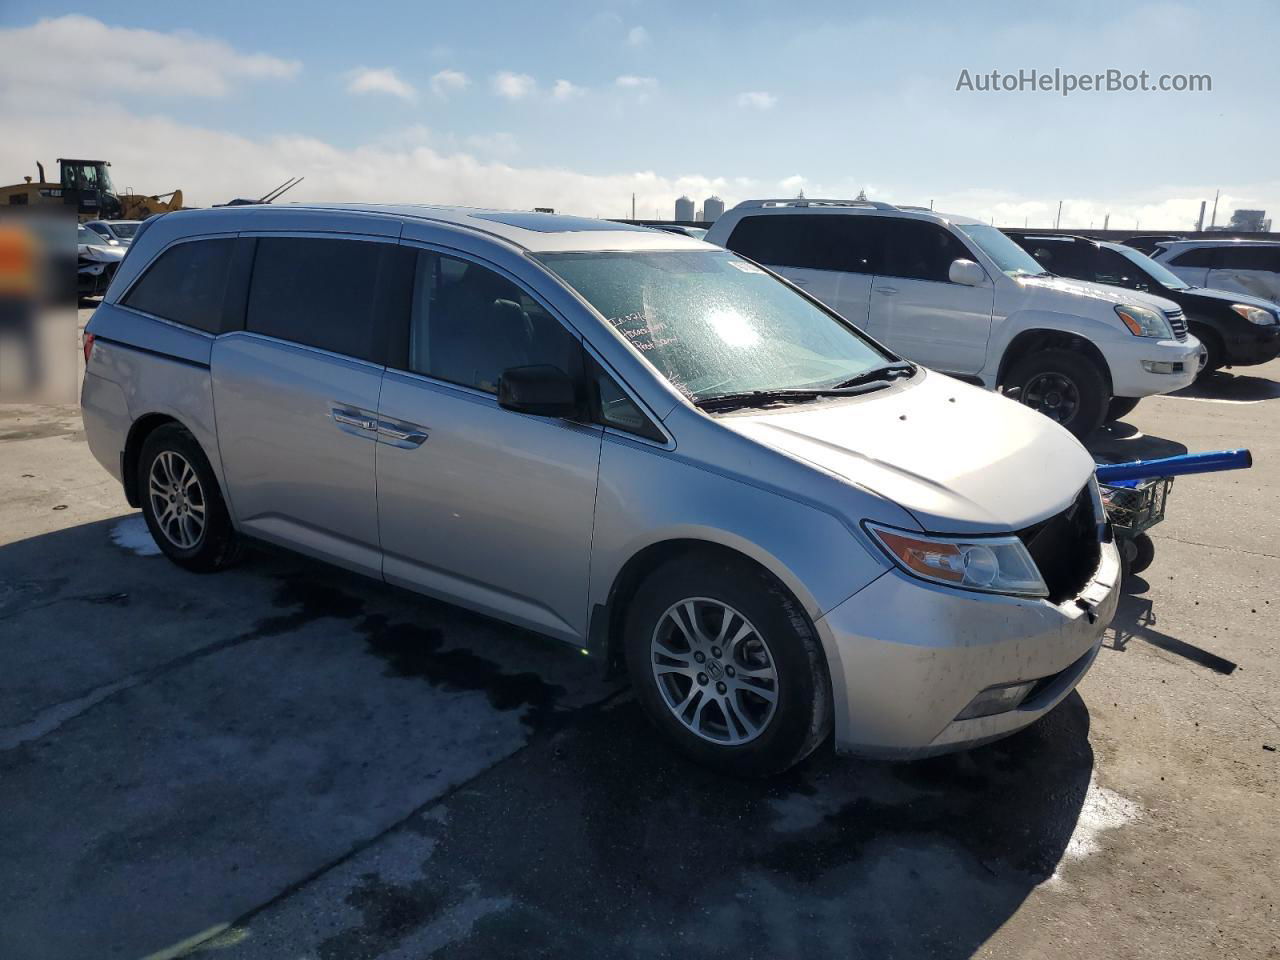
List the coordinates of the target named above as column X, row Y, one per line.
column 958, row 295
column 1240, row 266
column 634, row 442
column 97, row 260
column 121, row 231
column 1236, row 329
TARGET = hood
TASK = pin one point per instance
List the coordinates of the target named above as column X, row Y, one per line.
column 1227, row 297
column 958, row 458
column 1100, row 291
column 100, row 252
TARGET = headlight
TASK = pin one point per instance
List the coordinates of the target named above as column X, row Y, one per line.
column 1144, row 322
column 990, row 564
column 1254, row 314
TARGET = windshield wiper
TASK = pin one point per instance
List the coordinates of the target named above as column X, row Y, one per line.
column 899, row 368
column 763, row 398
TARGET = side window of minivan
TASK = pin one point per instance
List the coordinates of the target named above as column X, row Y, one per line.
column 469, row 324
column 1199, row 257
column 318, row 292
column 917, row 250
column 186, row 284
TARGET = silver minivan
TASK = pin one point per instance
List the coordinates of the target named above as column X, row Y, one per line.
column 634, row 442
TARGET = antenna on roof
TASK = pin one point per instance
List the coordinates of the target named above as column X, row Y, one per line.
column 280, row 191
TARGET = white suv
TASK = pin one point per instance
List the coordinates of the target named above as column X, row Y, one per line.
column 958, row 295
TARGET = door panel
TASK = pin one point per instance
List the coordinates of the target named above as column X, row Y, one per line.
column 296, row 430
column 492, row 510
column 918, row 312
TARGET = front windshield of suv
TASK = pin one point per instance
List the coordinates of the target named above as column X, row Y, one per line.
column 125, row 229
column 1162, row 275
column 714, row 324
column 1008, row 256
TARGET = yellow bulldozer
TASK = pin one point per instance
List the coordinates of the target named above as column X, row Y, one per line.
column 86, row 186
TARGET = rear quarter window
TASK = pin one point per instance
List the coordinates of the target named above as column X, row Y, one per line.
column 1200, row 257
column 186, row 284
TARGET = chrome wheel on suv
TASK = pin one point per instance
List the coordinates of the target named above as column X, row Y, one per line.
column 177, row 499
column 714, row 670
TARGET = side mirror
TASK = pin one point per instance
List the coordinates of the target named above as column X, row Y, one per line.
column 966, row 272
column 544, row 391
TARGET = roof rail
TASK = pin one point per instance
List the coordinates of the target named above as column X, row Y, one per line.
column 806, row 202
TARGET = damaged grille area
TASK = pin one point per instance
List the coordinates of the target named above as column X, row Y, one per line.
column 1065, row 547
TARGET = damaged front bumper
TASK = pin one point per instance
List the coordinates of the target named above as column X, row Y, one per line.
column 907, row 659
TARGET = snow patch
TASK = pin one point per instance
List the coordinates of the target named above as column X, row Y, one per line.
column 1103, row 809
column 132, row 534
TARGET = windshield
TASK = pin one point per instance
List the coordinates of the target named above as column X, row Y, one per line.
column 714, row 324
column 85, row 235
column 1162, row 275
column 124, row 229
column 1008, row 256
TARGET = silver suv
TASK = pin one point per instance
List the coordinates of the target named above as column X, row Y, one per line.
column 633, row 442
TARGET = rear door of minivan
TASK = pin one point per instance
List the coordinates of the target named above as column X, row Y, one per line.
column 917, row 311
column 296, row 394
column 828, row 255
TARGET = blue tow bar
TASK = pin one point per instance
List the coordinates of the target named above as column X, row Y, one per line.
column 1178, row 466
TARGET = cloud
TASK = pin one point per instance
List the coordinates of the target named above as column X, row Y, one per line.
column 629, row 82
column 513, row 86
column 449, row 81
column 757, row 100
column 152, row 153
column 564, row 90
column 46, row 58
column 637, row 37
column 379, row 80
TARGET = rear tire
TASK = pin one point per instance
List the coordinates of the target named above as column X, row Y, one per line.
column 1121, row 407
column 1064, row 385
column 750, row 696
column 182, row 503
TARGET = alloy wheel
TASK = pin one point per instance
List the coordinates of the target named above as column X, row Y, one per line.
column 1054, row 395
column 714, row 670
column 177, row 499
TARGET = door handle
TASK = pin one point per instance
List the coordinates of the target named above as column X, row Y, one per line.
column 391, row 431
column 351, row 418
column 887, row 291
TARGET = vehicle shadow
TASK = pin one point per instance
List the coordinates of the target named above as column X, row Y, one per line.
column 602, row 842
column 1232, row 387
column 283, row 714
column 1119, row 442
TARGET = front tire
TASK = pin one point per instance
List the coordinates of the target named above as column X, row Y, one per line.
column 1064, row 385
column 727, row 665
column 182, row 503
column 1215, row 353
column 1121, row 407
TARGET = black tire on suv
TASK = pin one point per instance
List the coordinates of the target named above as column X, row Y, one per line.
column 1064, row 385
column 1121, row 407
column 182, row 503
column 727, row 664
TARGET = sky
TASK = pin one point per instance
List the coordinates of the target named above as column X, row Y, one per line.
column 578, row 105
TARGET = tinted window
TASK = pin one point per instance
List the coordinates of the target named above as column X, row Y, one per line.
column 778, row 241
column 921, row 251
column 1063, row 257
column 1249, row 258
column 186, row 284
column 317, row 292
column 469, row 324
column 1119, row 271
column 1201, row 257
column 810, row 241
column 616, row 409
